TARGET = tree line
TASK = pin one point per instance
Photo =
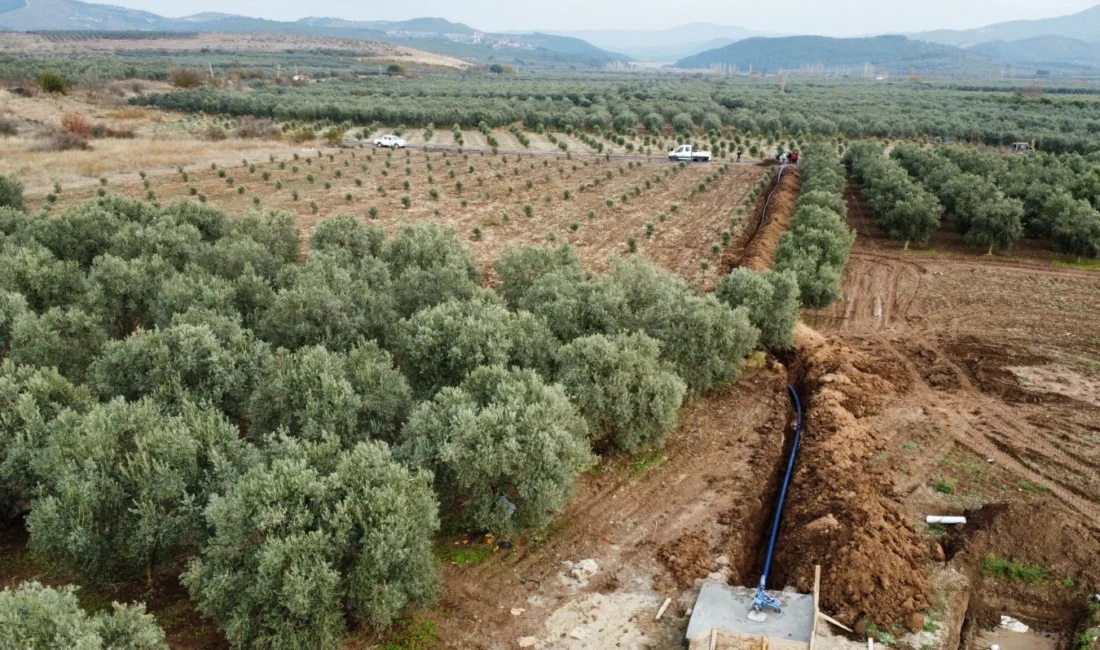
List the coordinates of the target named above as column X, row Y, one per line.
column 180, row 385
column 994, row 200
column 817, row 246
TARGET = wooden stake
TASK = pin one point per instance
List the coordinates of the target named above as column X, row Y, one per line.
column 764, row 643
column 660, row 612
column 817, row 598
column 870, row 643
column 713, row 638
column 829, row 619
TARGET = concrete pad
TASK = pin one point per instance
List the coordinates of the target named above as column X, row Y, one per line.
column 726, row 608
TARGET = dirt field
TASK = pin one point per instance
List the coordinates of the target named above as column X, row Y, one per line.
column 651, row 202
column 990, row 363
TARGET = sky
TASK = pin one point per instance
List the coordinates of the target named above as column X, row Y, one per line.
column 825, row 17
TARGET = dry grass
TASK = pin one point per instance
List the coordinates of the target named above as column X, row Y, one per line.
column 38, row 170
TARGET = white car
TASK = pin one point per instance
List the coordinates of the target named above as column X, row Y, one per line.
column 391, row 141
column 688, row 153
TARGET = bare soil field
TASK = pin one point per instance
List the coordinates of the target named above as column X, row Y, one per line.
column 651, row 203
column 988, row 362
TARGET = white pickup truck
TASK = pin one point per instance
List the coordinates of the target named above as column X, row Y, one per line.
column 391, row 141
column 688, row 153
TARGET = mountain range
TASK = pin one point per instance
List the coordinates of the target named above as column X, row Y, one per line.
column 429, row 34
column 1070, row 42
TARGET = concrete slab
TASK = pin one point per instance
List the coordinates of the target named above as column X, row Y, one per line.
column 726, row 608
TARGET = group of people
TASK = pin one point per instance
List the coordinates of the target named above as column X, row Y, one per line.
column 787, row 158
column 784, row 158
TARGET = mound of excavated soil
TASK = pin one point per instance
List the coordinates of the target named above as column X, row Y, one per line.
column 839, row 515
column 758, row 250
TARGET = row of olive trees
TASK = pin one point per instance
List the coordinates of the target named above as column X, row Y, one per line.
column 973, row 204
column 995, row 199
column 179, row 385
column 816, row 247
column 901, row 207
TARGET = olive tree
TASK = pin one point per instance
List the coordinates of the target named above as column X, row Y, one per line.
column 30, row 398
column 504, row 447
column 618, row 383
column 519, row 269
column 65, row 339
column 442, row 344
column 121, row 293
column 333, row 301
column 345, row 232
column 183, row 363
column 312, row 392
column 704, row 340
column 573, row 306
column 996, row 223
column 275, row 231
column 42, row 279
column 771, row 299
column 36, row 617
column 429, row 265
column 353, row 537
column 1074, row 225
column 124, row 485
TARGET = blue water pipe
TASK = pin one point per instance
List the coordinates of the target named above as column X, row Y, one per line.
column 763, row 600
column 767, row 202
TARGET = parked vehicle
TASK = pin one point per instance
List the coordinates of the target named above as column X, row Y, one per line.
column 391, row 141
column 688, row 153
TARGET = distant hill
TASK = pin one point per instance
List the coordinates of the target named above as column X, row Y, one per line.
column 69, row 14
column 1059, row 50
column 435, row 35
column 895, row 54
column 1084, row 25
column 665, row 44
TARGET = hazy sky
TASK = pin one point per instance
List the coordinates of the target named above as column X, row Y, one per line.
column 828, row 17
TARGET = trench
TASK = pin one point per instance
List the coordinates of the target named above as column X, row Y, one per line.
column 754, row 548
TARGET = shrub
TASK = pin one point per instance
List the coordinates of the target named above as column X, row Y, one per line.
column 184, row 78
column 76, row 124
column 354, row 538
column 504, row 447
column 53, row 83
column 442, row 344
column 11, row 193
column 109, row 511
column 628, row 397
column 771, row 299
column 34, row 616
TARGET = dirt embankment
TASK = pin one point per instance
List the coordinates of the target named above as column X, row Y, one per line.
column 762, row 232
column 839, row 514
column 1059, row 549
